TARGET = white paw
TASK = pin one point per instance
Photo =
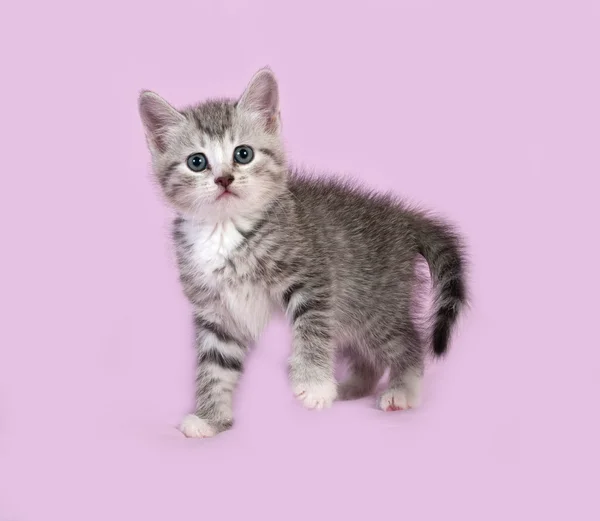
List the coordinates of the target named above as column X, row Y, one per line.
column 194, row 427
column 393, row 400
column 316, row 395
column 399, row 400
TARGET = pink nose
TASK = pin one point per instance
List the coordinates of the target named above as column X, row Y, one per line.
column 224, row 180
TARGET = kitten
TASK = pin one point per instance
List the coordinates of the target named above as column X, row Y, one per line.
column 251, row 236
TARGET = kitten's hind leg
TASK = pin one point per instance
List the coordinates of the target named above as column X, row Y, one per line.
column 404, row 390
column 406, row 374
column 362, row 379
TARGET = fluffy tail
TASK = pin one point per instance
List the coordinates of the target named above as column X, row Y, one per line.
column 443, row 250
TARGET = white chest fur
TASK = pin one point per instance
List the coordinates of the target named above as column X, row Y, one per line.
column 213, row 246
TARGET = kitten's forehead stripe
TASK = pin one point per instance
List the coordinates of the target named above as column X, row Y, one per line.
column 214, row 118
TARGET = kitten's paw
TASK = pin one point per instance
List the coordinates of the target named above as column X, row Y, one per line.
column 194, row 427
column 408, row 397
column 316, row 395
column 397, row 400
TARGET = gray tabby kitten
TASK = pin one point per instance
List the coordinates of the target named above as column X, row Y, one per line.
column 251, row 236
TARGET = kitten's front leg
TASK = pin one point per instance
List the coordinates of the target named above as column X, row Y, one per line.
column 312, row 362
column 220, row 360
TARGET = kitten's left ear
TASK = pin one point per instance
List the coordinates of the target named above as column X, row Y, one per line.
column 261, row 97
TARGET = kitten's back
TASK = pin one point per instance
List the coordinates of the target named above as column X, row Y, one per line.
column 371, row 242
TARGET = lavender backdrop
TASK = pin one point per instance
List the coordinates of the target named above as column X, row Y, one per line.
column 486, row 111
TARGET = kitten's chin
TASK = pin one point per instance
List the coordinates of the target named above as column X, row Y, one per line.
column 222, row 208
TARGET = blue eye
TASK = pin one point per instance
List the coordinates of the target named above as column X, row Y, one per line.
column 197, row 162
column 243, row 154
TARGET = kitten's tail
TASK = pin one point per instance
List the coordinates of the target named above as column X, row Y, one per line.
column 442, row 248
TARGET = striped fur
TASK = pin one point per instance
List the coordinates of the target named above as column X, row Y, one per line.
column 338, row 260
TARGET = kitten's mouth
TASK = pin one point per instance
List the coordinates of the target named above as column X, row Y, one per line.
column 226, row 194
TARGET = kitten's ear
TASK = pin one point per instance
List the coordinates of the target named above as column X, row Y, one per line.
column 261, row 97
column 158, row 118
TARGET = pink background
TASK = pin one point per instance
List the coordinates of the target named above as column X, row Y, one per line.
column 488, row 112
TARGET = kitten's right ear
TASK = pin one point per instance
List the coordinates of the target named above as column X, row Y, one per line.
column 261, row 97
column 158, row 118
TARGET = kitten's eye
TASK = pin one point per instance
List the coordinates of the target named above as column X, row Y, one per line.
column 197, row 162
column 243, row 154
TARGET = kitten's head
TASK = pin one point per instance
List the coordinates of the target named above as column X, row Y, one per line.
column 221, row 158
